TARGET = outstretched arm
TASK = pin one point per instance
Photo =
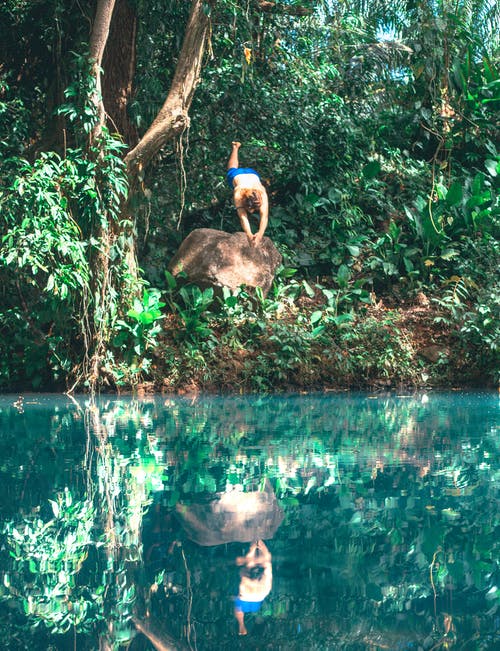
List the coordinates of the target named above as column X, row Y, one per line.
column 264, row 218
column 245, row 225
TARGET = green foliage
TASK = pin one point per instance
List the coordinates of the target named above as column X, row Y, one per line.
column 41, row 236
column 141, row 331
column 374, row 126
column 377, row 348
column 57, row 216
column 473, row 313
column 129, row 359
column 191, row 304
column 47, row 557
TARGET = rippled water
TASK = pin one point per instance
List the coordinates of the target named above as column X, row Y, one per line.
column 130, row 523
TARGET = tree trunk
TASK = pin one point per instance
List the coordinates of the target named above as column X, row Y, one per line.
column 119, row 69
column 98, row 39
column 173, row 117
column 171, row 120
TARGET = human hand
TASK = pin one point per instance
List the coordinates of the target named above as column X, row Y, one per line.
column 236, row 144
column 257, row 239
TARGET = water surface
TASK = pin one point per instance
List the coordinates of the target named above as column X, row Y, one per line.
column 380, row 514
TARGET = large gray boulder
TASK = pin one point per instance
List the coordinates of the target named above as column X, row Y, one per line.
column 212, row 258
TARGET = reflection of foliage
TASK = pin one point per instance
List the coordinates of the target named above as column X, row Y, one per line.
column 386, row 499
column 47, row 558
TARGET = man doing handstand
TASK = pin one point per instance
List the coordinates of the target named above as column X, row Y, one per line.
column 249, row 195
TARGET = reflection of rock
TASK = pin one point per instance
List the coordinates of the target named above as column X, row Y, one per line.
column 232, row 517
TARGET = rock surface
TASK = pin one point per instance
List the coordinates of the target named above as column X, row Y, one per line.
column 212, row 258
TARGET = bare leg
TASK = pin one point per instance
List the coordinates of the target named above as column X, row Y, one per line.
column 240, row 618
column 233, row 158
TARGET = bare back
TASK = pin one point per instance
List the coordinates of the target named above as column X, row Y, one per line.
column 248, row 181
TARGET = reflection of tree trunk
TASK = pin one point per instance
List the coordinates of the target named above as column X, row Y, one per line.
column 161, row 640
column 103, row 449
column 106, row 505
column 119, row 69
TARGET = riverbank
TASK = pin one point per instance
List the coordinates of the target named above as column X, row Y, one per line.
column 299, row 345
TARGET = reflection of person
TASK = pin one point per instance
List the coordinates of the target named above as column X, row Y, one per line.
column 249, row 195
column 256, row 578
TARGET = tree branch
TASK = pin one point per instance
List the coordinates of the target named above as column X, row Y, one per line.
column 173, row 116
column 280, row 8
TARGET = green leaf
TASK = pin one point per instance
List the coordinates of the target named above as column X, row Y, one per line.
column 459, row 76
column 408, row 265
column 353, row 249
column 477, row 183
column 491, row 166
column 208, row 294
column 147, row 317
column 343, row 275
column 371, row 169
column 448, row 254
column 489, row 72
column 308, row 288
column 133, row 314
column 454, row 194
column 342, row 318
column 317, row 331
column 316, row 316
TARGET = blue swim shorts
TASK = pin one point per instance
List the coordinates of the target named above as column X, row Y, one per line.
column 247, row 606
column 234, row 171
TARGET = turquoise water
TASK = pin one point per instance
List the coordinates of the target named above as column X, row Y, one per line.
column 380, row 514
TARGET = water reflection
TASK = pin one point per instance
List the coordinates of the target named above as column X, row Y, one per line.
column 122, row 520
column 256, row 580
column 233, row 516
